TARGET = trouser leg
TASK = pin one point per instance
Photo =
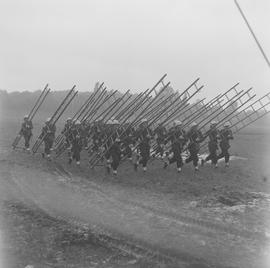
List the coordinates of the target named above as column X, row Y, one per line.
column 76, row 155
column 224, row 153
column 115, row 162
column 144, row 160
column 27, row 141
column 178, row 159
column 172, row 160
column 128, row 152
column 227, row 156
column 195, row 159
column 209, row 157
column 212, row 156
column 189, row 159
column 46, row 147
column 221, row 155
column 50, row 144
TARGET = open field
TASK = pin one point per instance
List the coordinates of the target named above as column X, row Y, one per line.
column 213, row 218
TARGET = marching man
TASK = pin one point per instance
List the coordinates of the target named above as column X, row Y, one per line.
column 66, row 131
column 48, row 132
column 76, row 143
column 115, row 154
column 195, row 137
column 26, row 131
column 144, row 134
column 224, row 144
column 213, row 135
column 160, row 134
column 178, row 139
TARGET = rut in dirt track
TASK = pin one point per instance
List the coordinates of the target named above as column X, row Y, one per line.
column 130, row 223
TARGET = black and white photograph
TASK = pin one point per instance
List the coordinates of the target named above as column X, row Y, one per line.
column 134, row 133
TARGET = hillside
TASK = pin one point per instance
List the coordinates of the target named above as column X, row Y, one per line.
column 16, row 104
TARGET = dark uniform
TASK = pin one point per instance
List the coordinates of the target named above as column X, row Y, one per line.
column 224, row 144
column 143, row 136
column 160, row 132
column 66, row 132
column 97, row 137
column 26, row 132
column 213, row 135
column 112, row 145
column 76, row 142
column 115, row 153
column 76, row 148
column 195, row 137
column 128, row 141
column 177, row 137
column 85, row 129
column 48, row 132
column 109, row 136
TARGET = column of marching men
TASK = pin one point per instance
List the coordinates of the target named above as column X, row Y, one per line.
column 140, row 144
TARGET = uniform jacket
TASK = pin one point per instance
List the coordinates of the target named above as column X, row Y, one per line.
column 26, row 128
column 225, row 137
column 195, row 137
column 48, row 131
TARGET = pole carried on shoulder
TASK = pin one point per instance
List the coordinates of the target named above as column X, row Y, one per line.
column 95, row 158
column 60, row 138
column 248, row 115
column 56, row 115
column 33, row 111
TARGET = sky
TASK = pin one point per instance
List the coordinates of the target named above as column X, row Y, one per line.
column 130, row 44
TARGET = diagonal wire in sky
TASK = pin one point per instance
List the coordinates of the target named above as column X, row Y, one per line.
column 253, row 34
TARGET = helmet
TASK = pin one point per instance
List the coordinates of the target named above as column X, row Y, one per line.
column 78, row 122
column 26, row 116
column 69, row 119
column 48, row 120
column 193, row 124
column 177, row 123
column 213, row 123
column 227, row 124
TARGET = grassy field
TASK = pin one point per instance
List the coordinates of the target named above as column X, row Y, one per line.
column 233, row 199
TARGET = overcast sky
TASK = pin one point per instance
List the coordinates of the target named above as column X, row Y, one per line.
column 130, row 44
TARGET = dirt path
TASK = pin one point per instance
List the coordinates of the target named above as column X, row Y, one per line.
column 194, row 235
